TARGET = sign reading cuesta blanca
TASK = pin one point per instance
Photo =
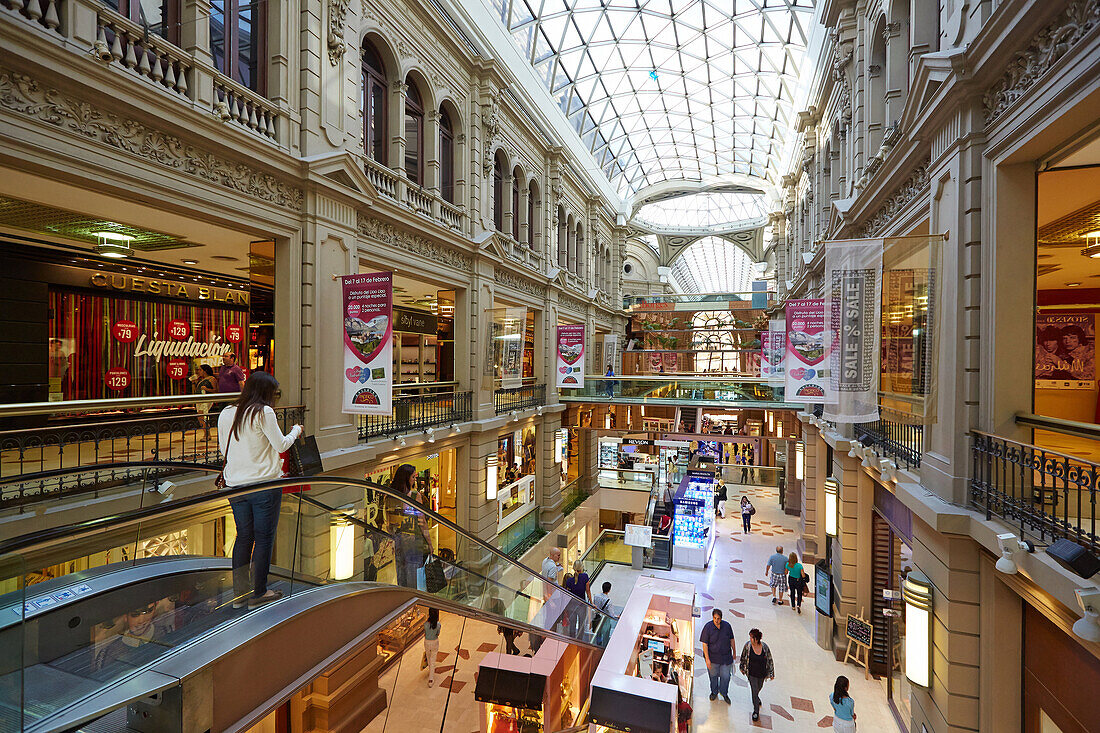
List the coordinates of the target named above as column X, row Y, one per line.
column 570, row 350
column 368, row 343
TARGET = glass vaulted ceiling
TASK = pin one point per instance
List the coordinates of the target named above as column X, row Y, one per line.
column 669, row 89
column 715, row 211
column 712, row 265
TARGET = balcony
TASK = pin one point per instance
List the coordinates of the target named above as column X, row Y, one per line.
column 519, row 398
column 413, row 412
column 674, row 390
column 897, row 435
column 416, row 199
column 95, row 434
column 1046, row 494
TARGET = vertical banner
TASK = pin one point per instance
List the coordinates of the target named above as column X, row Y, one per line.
column 773, row 349
column 853, row 307
column 611, row 352
column 570, row 351
column 807, row 377
column 511, row 340
column 368, row 343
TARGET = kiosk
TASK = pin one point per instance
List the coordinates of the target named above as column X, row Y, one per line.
column 693, row 526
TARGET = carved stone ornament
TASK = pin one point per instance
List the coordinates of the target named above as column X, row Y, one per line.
column 490, row 113
column 23, row 95
column 522, row 284
column 1051, row 44
column 573, row 304
column 914, row 186
column 414, row 244
column 337, row 12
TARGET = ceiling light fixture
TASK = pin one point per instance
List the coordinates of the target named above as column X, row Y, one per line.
column 1073, row 285
column 113, row 245
column 190, row 262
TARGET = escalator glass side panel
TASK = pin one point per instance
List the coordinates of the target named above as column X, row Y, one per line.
column 13, row 575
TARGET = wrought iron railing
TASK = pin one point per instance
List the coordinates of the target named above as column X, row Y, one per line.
column 519, row 398
column 1047, row 494
column 173, row 433
column 418, row 412
column 902, row 441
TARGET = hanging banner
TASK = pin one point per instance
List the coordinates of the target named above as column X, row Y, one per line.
column 1065, row 351
column 773, row 349
column 611, row 352
column 807, row 377
column 570, row 350
column 512, row 333
column 368, row 343
column 853, row 310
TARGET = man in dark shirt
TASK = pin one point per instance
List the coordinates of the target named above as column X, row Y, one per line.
column 230, row 379
column 718, row 645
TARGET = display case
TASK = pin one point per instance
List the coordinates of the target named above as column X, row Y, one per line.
column 415, row 357
column 609, row 453
column 401, row 633
column 504, row 719
column 693, row 525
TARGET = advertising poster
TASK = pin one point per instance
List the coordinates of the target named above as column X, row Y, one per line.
column 1065, row 351
column 570, row 351
column 773, row 348
column 853, row 307
column 807, row 378
column 511, row 351
column 611, row 352
column 368, row 343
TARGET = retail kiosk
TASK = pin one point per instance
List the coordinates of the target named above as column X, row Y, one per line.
column 648, row 659
column 693, row 527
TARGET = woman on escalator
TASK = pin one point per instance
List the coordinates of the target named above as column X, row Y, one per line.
column 410, row 529
column 251, row 441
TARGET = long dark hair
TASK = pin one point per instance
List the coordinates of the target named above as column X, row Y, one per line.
column 840, row 689
column 400, row 480
column 433, row 618
column 258, row 393
column 206, row 368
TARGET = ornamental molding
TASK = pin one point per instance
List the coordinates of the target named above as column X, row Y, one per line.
column 22, row 94
column 516, row 282
column 574, row 304
column 386, row 233
column 1050, row 45
column 337, row 15
column 914, row 186
column 491, row 114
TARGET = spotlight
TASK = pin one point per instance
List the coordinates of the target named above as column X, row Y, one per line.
column 1011, row 544
column 455, row 429
column 430, row 432
column 402, row 443
column 1088, row 626
column 855, row 450
column 539, row 409
column 515, row 416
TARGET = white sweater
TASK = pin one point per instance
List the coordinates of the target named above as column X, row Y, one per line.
column 254, row 454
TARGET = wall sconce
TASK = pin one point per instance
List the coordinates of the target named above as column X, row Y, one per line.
column 799, row 460
column 341, row 547
column 916, row 591
column 832, row 491
column 1010, row 544
column 491, row 466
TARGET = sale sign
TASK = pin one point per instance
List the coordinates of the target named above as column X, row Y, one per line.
column 808, row 345
column 773, row 347
column 179, row 330
column 124, row 331
column 570, row 351
column 117, row 378
column 234, row 334
column 368, row 343
column 177, row 368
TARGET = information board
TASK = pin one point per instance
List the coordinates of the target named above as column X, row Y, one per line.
column 638, row 535
column 859, row 631
column 823, row 589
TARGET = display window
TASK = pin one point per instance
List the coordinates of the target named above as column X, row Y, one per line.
column 436, row 479
column 103, row 347
column 511, row 357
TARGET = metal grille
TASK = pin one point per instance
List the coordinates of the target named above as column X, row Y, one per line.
column 39, row 218
column 519, row 398
column 418, row 412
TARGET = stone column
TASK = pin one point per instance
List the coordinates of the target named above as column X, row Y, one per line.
column 431, row 151
column 195, row 40
column 396, row 122
column 549, row 478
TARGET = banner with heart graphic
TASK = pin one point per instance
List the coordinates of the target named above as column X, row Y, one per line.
column 368, row 343
column 808, row 345
column 773, row 352
column 570, row 351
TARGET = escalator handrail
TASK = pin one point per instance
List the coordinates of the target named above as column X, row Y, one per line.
column 44, row 538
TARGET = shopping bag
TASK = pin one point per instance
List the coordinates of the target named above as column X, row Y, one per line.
column 435, row 579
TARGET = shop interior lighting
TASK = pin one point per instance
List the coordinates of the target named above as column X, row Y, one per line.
column 113, row 245
column 341, row 547
column 190, row 262
column 491, row 466
column 799, row 460
column 832, row 505
column 916, row 591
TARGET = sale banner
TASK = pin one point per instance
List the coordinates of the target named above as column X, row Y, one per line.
column 808, row 345
column 853, row 301
column 570, row 351
column 773, row 348
column 368, row 343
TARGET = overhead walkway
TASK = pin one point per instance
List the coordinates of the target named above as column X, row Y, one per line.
column 736, row 392
column 118, row 642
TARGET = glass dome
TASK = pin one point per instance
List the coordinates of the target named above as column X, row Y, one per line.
column 707, row 209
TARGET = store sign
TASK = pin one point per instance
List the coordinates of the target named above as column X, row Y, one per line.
column 807, row 373
column 166, row 288
column 157, row 347
column 407, row 321
column 368, row 343
column 853, row 306
column 773, row 351
column 178, row 329
column 570, row 355
column 234, row 334
column 117, row 378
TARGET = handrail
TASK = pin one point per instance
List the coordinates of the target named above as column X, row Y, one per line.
column 1089, row 431
column 42, row 539
column 1067, row 456
column 671, row 378
column 114, row 403
column 111, row 423
column 421, row 385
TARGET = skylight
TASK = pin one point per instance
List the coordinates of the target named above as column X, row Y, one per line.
column 710, row 210
column 713, row 265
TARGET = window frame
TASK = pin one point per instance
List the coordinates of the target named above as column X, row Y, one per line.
column 371, row 76
column 446, row 157
column 498, row 193
column 231, row 42
column 417, row 114
column 131, row 10
column 515, row 203
column 531, row 214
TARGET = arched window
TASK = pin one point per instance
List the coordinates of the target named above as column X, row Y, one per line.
column 580, row 250
column 532, row 219
column 563, row 243
column 715, row 343
column 414, row 135
column 498, row 191
column 446, row 157
column 571, row 235
column 876, row 89
column 375, row 105
column 517, row 176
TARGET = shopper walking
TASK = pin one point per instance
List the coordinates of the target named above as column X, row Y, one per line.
column 409, row 525
column 747, row 510
column 251, row 441
column 231, row 378
column 756, row 665
column 776, row 570
column 844, row 707
column 577, row 583
column 204, row 383
column 431, row 643
column 718, row 645
column 720, row 496
column 796, row 580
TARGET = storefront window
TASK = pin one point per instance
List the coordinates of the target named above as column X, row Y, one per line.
column 436, row 479
column 423, row 335
column 511, row 357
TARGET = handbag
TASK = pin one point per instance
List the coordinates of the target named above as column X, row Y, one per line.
column 435, row 579
column 219, row 480
column 305, row 458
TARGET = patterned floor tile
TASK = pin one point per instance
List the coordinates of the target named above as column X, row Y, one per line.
column 801, row 703
column 826, row 722
column 781, row 712
column 485, row 647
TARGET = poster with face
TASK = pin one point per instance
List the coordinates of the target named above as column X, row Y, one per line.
column 570, row 355
column 807, row 378
column 368, row 343
column 1065, row 351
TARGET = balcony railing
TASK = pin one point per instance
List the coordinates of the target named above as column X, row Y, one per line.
column 78, row 434
column 418, row 412
column 895, row 435
column 670, row 389
column 398, row 189
column 1046, row 494
column 519, row 398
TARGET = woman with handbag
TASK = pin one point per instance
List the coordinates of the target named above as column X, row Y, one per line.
column 747, row 510
column 411, row 537
column 251, row 441
column 796, row 581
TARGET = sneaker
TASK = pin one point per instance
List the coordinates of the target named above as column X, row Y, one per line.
column 727, row 699
column 271, row 595
column 774, row 602
column 713, row 696
column 756, row 716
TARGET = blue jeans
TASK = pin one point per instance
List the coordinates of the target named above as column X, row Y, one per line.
column 256, row 517
column 720, row 678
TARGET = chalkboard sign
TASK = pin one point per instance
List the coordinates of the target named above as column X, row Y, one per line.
column 859, row 631
column 823, row 589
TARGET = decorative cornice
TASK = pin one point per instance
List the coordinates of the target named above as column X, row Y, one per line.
column 914, row 186
column 337, row 12
column 566, row 301
column 522, row 284
column 414, row 243
column 22, row 94
column 1051, row 44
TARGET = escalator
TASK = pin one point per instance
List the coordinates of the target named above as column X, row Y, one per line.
column 117, row 638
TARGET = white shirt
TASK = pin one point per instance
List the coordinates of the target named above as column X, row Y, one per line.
column 254, row 453
column 550, row 569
